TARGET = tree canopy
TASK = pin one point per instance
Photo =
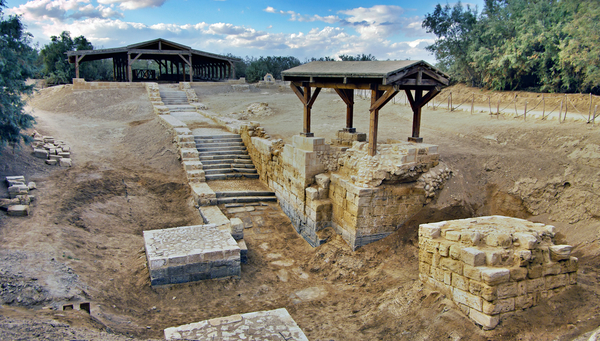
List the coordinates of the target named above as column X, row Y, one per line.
column 540, row 45
column 57, row 70
column 16, row 66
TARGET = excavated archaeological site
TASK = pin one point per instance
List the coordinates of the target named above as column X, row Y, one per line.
column 197, row 211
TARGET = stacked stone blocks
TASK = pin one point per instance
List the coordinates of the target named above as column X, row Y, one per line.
column 191, row 253
column 492, row 266
column 18, row 203
column 81, row 84
column 53, row 151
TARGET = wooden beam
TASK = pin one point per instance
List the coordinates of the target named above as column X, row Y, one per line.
column 374, row 122
column 347, row 96
column 313, row 98
column 416, row 128
column 299, row 92
column 185, row 60
column 383, row 100
column 129, row 74
column 306, row 128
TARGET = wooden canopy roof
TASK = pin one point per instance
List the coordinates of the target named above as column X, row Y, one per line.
column 157, row 49
column 384, row 78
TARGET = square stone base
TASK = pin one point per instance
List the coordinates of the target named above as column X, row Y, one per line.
column 261, row 325
column 191, row 253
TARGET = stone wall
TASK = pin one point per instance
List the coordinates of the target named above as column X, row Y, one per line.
column 492, row 266
column 81, row 84
column 319, row 185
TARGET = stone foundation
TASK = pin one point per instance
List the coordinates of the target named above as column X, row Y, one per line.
column 81, row 84
column 191, row 253
column 261, row 325
column 492, row 266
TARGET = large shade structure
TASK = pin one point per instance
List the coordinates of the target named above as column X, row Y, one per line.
column 384, row 78
column 173, row 59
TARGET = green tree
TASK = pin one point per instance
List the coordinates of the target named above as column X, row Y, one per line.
column 258, row 68
column 16, row 66
column 359, row 57
column 58, row 70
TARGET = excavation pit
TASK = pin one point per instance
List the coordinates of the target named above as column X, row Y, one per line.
column 493, row 266
column 191, row 253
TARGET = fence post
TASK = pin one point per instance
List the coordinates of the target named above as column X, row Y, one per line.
column 543, row 106
column 516, row 114
column 450, row 101
column 560, row 111
column 566, row 107
column 590, row 111
column 472, row 103
column 525, row 112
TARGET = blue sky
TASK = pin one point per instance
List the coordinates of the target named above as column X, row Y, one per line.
column 303, row 29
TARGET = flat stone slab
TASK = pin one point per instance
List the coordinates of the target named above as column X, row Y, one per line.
column 18, row 210
column 172, row 121
column 261, row 325
column 191, row 253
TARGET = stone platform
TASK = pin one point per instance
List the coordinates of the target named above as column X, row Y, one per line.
column 191, row 253
column 261, row 325
column 492, row 266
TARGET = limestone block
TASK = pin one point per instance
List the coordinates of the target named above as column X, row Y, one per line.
column 499, row 306
column 13, row 191
column 10, row 180
column 24, row 199
column 453, row 235
column 322, row 180
column 40, row 153
column 48, row 139
column 18, row 210
column 55, row 157
column 65, row 162
column 486, row 321
column 494, row 276
column 472, row 256
column 526, row 240
column 52, row 162
column 66, row 149
column 183, row 131
column 5, row 203
column 518, row 274
column 192, row 165
column 189, row 154
column 560, row 252
column 31, row 185
column 312, row 193
column 429, row 231
column 498, row 239
column 237, row 229
column 467, row 299
column 556, row 281
column 452, row 265
column 65, row 155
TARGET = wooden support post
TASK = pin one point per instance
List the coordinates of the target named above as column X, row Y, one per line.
column 129, row 74
column 307, row 101
column 191, row 70
column 416, row 128
column 347, row 95
column 374, row 122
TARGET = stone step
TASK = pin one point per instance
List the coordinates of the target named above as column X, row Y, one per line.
column 214, row 161
column 229, row 171
column 225, row 165
column 244, row 194
column 231, row 176
column 235, row 200
column 181, row 108
column 218, row 139
column 220, row 148
column 219, row 144
column 224, row 152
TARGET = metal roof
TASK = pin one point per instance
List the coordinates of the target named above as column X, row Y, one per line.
column 379, row 72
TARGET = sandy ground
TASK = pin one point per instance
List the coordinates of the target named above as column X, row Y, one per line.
column 83, row 241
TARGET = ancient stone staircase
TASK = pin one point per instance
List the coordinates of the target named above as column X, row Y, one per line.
column 175, row 99
column 242, row 197
column 224, row 157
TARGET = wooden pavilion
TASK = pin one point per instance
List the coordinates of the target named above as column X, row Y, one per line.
column 384, row 78
column 174, row 60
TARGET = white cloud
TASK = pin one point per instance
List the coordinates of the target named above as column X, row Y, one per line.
column 39, row 10
column 303, row 18
column 133, row 4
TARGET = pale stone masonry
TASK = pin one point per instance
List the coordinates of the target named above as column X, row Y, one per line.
column 191, row 253
column 319, row 185
column 492, row 266
column 260, row 325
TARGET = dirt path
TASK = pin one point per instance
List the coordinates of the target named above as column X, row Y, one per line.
column 84, row 239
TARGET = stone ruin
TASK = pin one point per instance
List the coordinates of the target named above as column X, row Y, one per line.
column 492, row 266
column 19, row 199
column 55, row 152
column 260, row 325
column 191, row 253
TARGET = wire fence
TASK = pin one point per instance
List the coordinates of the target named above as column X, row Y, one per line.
column 545, row 106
